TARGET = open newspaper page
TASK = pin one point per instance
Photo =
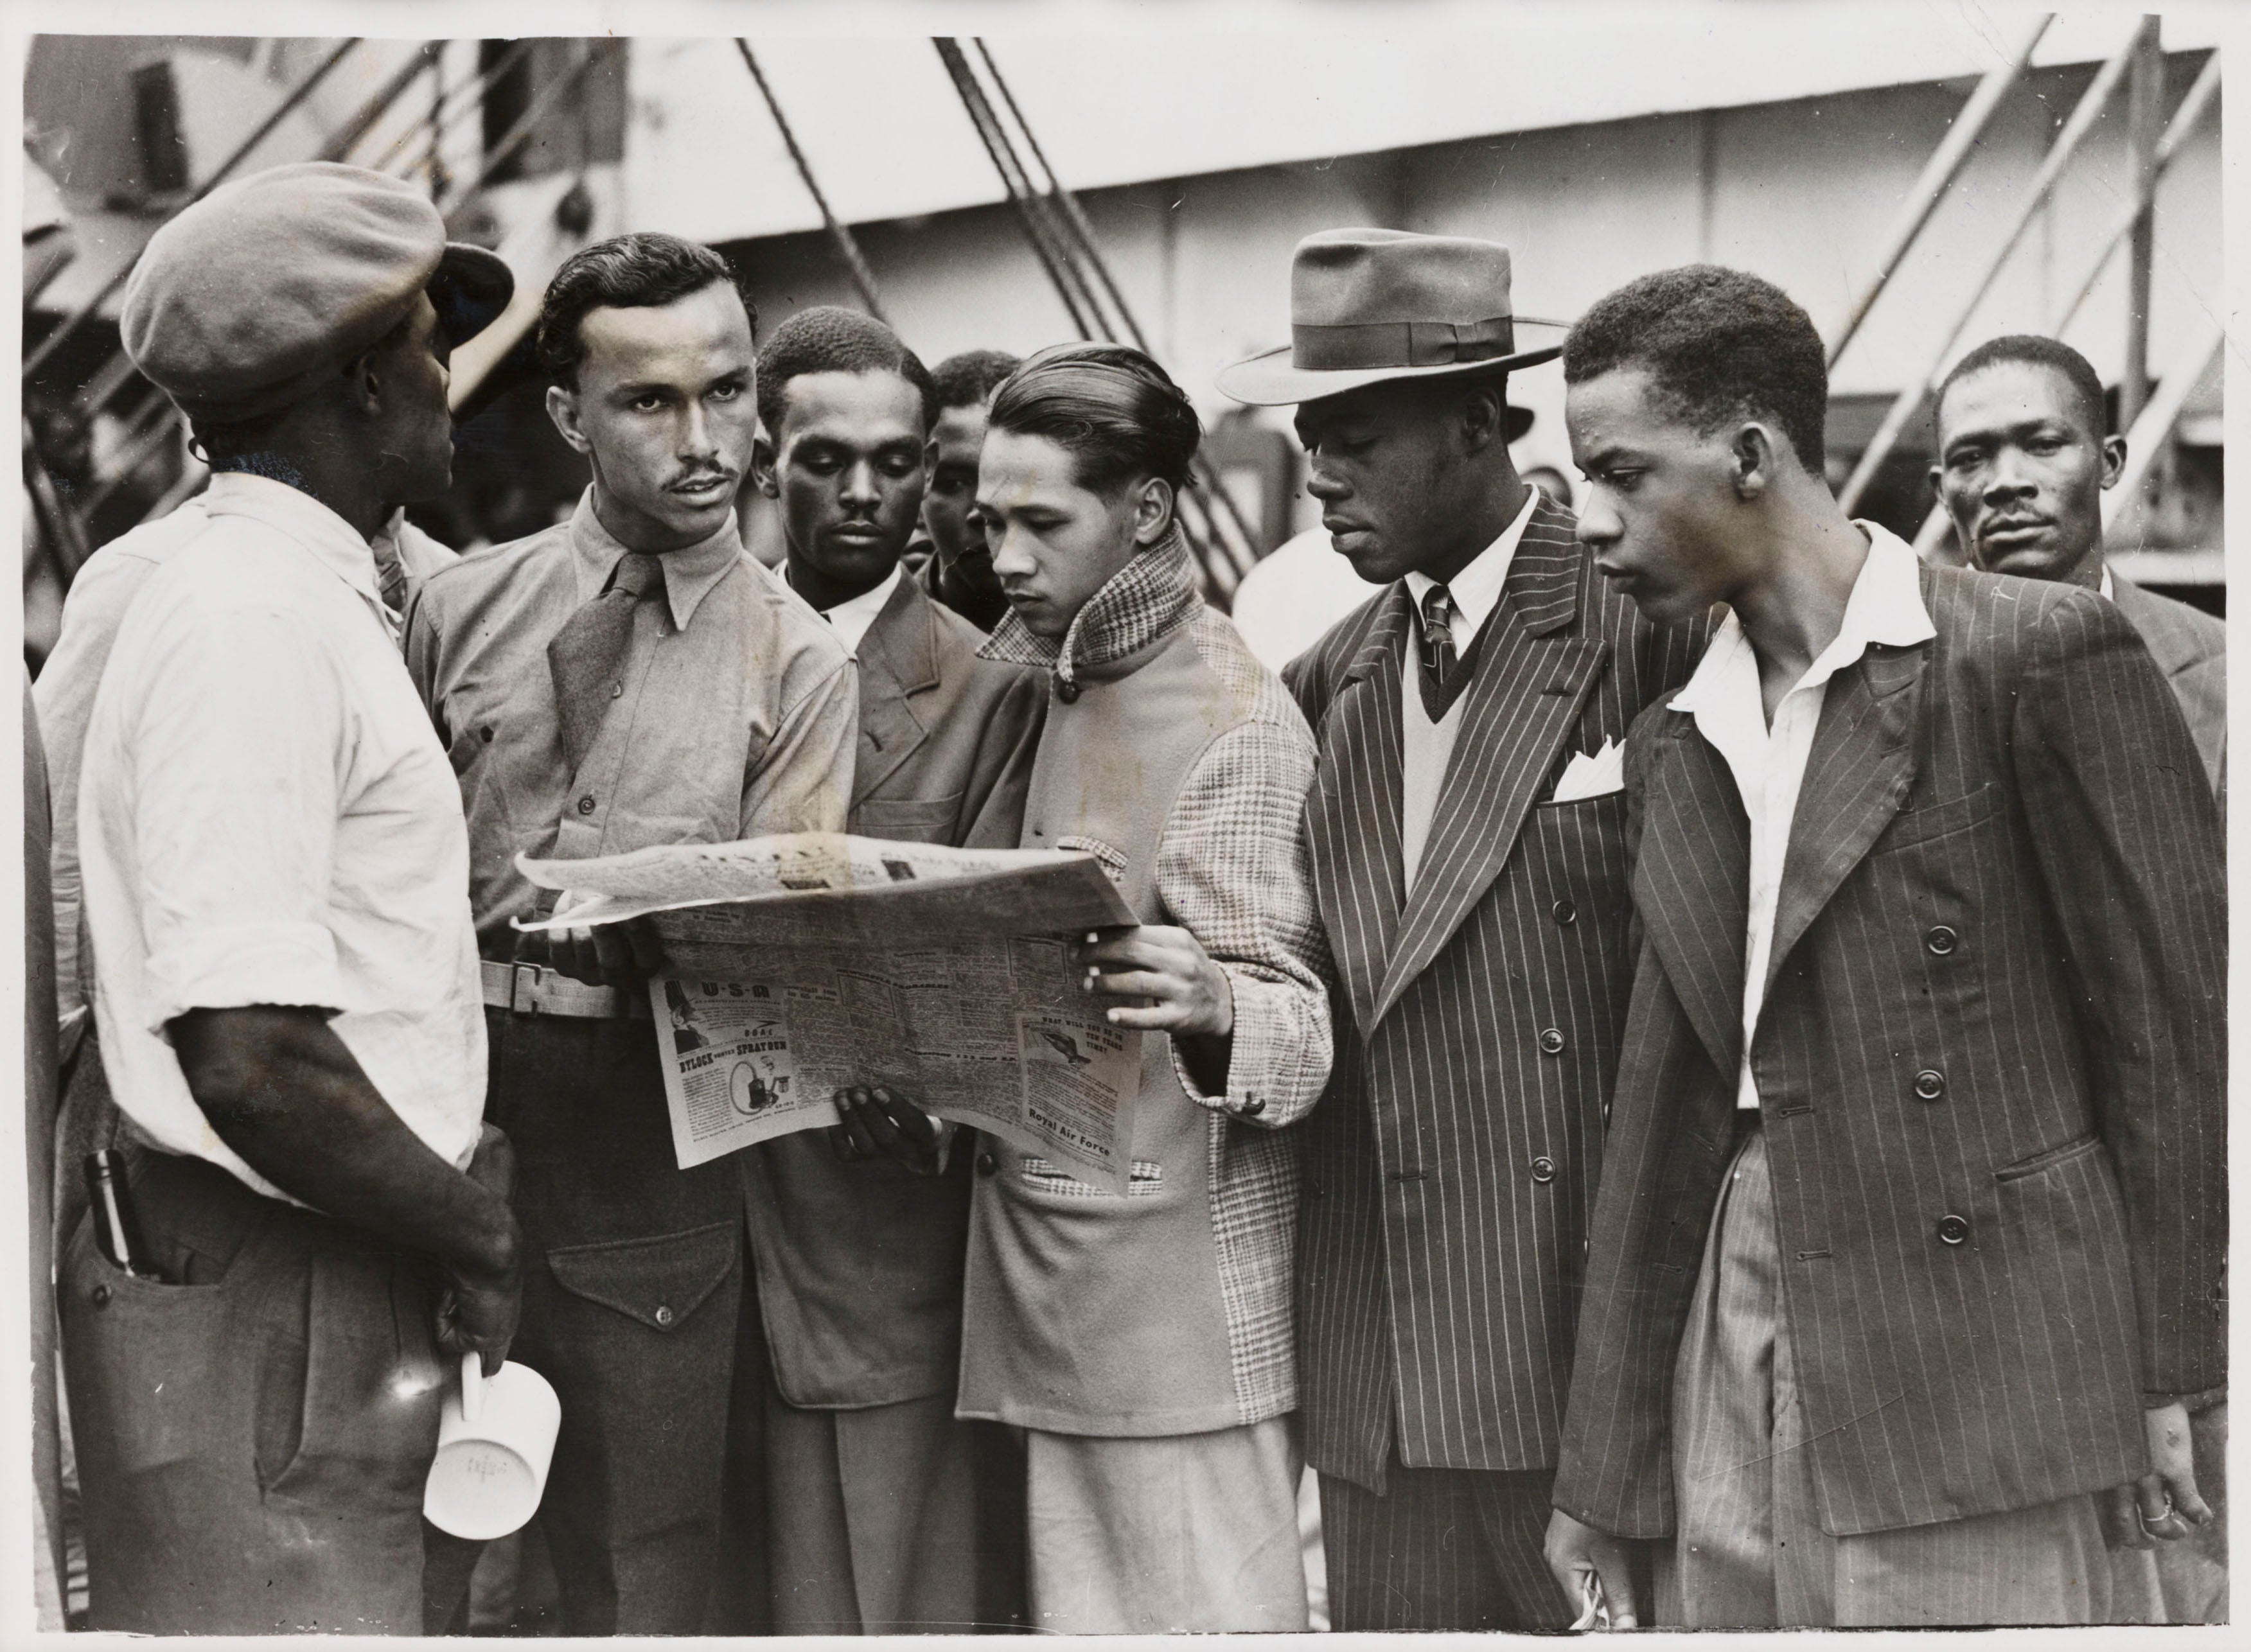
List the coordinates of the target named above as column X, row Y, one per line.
column 800, row 963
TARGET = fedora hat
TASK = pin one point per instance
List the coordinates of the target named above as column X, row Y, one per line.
column 1369, row 305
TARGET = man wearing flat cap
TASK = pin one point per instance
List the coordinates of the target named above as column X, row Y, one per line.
column 285, row 971
column 1467, row 833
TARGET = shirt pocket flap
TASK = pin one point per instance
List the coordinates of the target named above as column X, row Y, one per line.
column 659, row 1281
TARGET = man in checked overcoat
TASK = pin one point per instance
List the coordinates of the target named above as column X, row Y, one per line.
column 1466, row 836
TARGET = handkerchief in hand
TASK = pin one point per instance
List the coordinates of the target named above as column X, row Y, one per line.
column 1592, row 775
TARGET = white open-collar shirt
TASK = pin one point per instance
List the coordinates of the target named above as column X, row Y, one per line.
column 265, row 817
column 852, row 616
column 1769, row 763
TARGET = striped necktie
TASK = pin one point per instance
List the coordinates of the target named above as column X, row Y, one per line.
column 1441, row 676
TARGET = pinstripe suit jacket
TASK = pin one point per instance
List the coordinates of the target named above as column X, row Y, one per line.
column 1995, row 1011
column 1449, row 1167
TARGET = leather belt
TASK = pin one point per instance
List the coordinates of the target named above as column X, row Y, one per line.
column 538, row 989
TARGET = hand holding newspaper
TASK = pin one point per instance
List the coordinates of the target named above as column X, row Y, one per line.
column 799, row 963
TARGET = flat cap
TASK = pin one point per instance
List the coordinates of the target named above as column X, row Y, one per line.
column 242, row 303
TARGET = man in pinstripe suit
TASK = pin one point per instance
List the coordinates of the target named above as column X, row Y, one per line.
column 1468, row 860
column 1913, row 1221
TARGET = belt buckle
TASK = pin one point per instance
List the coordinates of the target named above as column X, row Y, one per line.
column 522, row 1001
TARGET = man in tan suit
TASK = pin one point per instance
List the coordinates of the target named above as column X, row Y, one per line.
column 870, row 1481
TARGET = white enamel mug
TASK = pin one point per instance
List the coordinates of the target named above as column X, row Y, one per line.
column 495, row 1437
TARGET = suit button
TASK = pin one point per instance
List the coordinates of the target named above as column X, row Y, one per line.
column 1564, row 913
column 586, row 803
column 1953, row 1230
column 1066, row 691
column 1253, row 1105
column 1929, row 1085
column 1552, row 1040
column 1942, row 941
column 1543, row 1169
column 101, row 1295
column 986, row 1164
column 663, row 1316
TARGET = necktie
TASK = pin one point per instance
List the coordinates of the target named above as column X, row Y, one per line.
column 1442, row 672
column 587, row 657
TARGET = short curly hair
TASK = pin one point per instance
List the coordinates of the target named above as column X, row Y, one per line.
column 831, row 339
column 1110, row 406
column 627, row 272
column 969, row 379
column 1721, row 344
column 2034, row 350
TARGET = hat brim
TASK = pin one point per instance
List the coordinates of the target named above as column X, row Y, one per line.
column 1269, row 380
column 470, row 287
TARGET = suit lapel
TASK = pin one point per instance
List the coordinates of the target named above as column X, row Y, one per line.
column 898, row 657
column 1352, row 816
column 1531, row 685
column 1856, row 778
column 1692, row 882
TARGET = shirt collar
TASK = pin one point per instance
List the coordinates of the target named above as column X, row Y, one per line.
column 852, row 616
column 1476, row 589
column 304, row 518
column 2108, row 587
column 689, row 572
column 1885, row 608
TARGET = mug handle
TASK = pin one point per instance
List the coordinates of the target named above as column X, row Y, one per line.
column 473, row 1384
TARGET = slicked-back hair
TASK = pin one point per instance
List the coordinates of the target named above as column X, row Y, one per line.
column 1111, row 407
column 1721, row 346
column 2034, row 350
column 629, row 271
column 969, row 379
column 831, row 339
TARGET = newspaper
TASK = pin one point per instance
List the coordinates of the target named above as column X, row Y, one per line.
column 800, row 963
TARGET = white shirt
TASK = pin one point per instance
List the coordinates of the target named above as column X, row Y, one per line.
column 100, row 598
column 265, row 817
column 852, row 616
column 1428, row 748
column 1769, row 764
column 1476, row 589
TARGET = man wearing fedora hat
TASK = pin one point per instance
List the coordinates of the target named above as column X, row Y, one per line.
column 1467, row 834
column 275, row 875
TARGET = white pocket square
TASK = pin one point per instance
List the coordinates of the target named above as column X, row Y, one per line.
column 1592, row 775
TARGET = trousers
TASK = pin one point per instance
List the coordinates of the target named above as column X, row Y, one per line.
column 634, row 1308
column 1750, row 1552
column 1440, row 1549
column 874, row 1519
column 254, row 1429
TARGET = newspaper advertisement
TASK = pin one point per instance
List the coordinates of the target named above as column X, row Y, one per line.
column 798, row 965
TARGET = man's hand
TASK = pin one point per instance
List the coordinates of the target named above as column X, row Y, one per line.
column 477, row 1307
column 622, row 955
column 1192, row 995
column 2164, row 1504
column 1576, row 1550
column 879, row 1123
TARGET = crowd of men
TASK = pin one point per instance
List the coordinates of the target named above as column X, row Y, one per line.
column 1685, row 1049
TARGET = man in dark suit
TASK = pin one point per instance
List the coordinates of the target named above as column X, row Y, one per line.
column 871, row 1485
column 1466, row 839
column 2024, row 462
column 1913, row 1222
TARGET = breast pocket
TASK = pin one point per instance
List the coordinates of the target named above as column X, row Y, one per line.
column 908, row 819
